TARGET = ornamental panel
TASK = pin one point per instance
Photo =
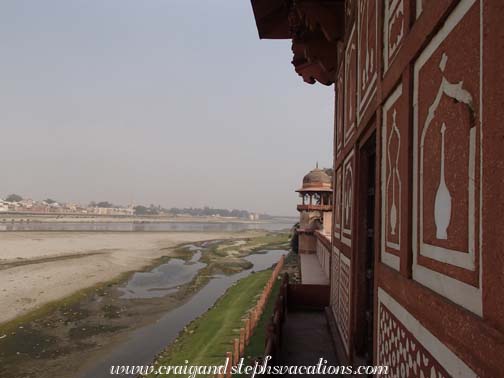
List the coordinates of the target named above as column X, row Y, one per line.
column 447, row 159
column 337, row 204
column 394, row 24
column 350, row 84
column 339, row 111
column 367, row 47
column 393, row 177
column 335, row 283
column 344, row 300
column 347, row 199
column 409, row 349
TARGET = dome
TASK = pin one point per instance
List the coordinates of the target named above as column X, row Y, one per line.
column 317, row 176
column 317, row 180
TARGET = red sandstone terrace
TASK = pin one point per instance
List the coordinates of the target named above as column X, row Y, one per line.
column 406, row 227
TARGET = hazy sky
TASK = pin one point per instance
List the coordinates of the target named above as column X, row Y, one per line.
column 171, row 102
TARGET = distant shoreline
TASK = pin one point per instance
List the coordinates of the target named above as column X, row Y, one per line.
column 81, row 218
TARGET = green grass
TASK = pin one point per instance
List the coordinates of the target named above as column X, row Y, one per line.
column 257, row 341
column 206, row 340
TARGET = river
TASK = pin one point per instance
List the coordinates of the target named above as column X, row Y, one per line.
column 145, row 227
column 143, row 344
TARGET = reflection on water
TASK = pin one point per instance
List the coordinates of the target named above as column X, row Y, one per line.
column 143, row 344
column 140, row 227
column 162, row 280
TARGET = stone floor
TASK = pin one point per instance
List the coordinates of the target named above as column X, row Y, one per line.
column 311, row 271
column 306, row 339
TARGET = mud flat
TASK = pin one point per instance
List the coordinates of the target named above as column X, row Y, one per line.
column 40, row 267
column 133, row 316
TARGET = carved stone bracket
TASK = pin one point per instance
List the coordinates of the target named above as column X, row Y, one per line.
column 316, row 27
column 313, row 62
column 328, row 16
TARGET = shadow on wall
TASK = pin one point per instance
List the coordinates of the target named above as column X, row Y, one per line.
column 294, row 240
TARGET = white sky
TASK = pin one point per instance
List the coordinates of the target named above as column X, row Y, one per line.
column 171, row 102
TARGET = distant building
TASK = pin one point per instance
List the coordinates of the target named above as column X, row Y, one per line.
column 112, row 211
column 26, row 204
column 40, row 207
column 4, row 206
column 315, row 216
column 253, row 216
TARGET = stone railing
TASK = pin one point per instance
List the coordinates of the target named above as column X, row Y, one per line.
column 308, row 207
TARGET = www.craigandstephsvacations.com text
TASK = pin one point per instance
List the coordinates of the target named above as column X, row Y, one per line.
column 258, row 368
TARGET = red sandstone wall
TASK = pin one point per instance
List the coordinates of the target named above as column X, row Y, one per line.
column 307, row 243
column 425, row 75
column 323, row 249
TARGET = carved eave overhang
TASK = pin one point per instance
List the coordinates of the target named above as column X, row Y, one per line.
column 315, row 59
column 271, row 18
column 328, row 16
column 315, row 26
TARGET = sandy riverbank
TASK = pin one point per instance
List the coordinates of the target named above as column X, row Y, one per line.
column 40, row 267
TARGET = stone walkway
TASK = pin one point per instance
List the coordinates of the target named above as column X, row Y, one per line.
column 311, row 271
column 306, row 339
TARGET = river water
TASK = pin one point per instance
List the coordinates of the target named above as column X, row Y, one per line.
column 143, row 344
column 163, row 279
column 143, row 227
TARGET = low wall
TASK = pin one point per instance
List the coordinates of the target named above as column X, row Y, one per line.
column 307, row 242
column 323, row 248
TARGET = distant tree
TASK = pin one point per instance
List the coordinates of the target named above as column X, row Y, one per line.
column 49, row 201
column 143, row 210
column 104, row 204
column 14, row 198
column 208, row 211
column 294, row 241
column 92, row 204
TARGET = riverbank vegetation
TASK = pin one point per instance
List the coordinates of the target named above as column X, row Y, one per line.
column 206, row 340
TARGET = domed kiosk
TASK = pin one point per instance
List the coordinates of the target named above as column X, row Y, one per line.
column 315, row 208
